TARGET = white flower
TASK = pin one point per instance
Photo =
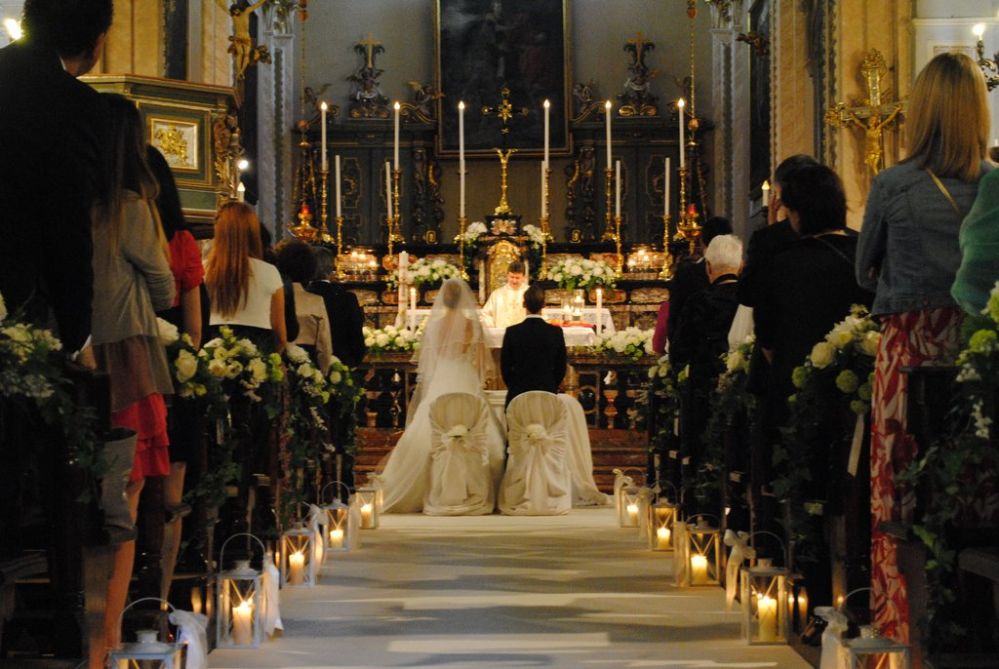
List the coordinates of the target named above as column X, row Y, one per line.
column 217, row 368
column 336, row 377
column 297, row 354
column 382, row 339
column 840, row 337
column 870, row 343
column 187, row 366
column 233, row 369
column 258, row 370
column 167, row 332
column 822, row 355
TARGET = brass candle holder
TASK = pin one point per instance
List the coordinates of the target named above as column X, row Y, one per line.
column 395, row 229
column 339, row 246
column 667, row 272
column 324, row 206
column 686, row 226
column 608, row 215
column 544, row 222
column 617, row 243
column 462, row 226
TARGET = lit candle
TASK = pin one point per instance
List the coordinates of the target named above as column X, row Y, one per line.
column 336, row 538
column 322, row 121
column 395, row 143
column 242, row 623
column 662, row 536
column 388, row 188
column 547, row 130
column 367, row 516
column 766, row 193
column 803, row 604
column 412, row 318
column 633, row 513
column 766, row 611
column 666, row 190
column 241, row 192
column 607, row 123
column 296, row 568
column 600, row 309
column 461, row 159
column 617, row 189
column 698, row 569
column 680, row 104
column 336, row 177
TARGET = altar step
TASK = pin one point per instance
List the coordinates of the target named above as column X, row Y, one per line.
column 612, row 449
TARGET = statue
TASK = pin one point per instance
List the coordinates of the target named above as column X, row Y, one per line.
column 423, row 97
column 367, row 99
column 241, row 44
column 637, row 100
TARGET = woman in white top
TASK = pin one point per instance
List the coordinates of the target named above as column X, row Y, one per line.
column 297, row 264
column 244, row 291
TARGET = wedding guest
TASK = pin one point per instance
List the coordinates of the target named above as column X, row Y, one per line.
column 979, row 240
column 909, row 253
column 132, row 279
column 689, row 278
column 188, row 312
column 346, row 317
column 297, row 265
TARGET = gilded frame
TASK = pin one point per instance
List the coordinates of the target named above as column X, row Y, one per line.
column 523, row 65
column 199, row 171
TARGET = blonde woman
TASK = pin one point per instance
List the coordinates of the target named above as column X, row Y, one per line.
column 908, row 253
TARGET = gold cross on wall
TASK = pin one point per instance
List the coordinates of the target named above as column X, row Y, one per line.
column 874, row 116
column 369, row 47
column 504, row 111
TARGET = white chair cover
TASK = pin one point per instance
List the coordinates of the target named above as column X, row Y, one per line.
column 461, row 483
column 580, row 459
column 536, row 482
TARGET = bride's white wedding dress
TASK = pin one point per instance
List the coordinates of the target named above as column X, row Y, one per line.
column 451, row 357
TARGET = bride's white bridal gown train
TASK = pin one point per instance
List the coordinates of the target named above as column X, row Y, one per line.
column 452, row 357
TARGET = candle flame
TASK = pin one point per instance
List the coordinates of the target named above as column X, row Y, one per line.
column 978, row 30
column 243, row 164
column 324, row 106
column 766, row 185
column 607, row 105
column 632, row 508
column 461, row 105
column 397, row 106
column 367, row 507
column 681, row 103
column 547, row 104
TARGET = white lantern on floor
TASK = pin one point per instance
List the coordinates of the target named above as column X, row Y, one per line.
column 147, row 651
column 661, row 525
column 340, row 528
column 366, row 500
column 630, row 510
column 298, row 565
column 701, row 553
column 239, row 607
column 763, row 594
column 869, row 651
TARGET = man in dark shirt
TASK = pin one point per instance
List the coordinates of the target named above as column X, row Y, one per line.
column 533, row 355
column 345, row 314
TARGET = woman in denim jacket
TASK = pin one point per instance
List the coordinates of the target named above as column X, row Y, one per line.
column 908, row 253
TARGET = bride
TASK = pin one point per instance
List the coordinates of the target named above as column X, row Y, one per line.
column 453, row 358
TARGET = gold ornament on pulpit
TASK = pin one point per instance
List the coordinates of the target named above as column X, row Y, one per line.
column 874, row 116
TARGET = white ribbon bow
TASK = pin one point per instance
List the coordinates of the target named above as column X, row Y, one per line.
column 741, row 551
column 270, row 602
column 192, row 631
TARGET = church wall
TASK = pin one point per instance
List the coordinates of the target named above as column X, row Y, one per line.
column 215, row 63
column 599, row 30
column 794, row 101
column 135, row 41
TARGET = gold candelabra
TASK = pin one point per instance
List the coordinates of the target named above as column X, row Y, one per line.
column 608, row 216
column 545, row 221
column 503, row 207
column 394, row 221
column 667, row 272
column 687, row 227
column 324, row 206
column 617, row 243
column 462, row 226
column 339, row 246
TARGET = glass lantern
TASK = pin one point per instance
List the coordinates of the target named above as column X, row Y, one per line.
column 645, row 499
column 628, row 511
column 340, row 528
column 239, row 593
column 147, row 651
column 578, row 304
column 366, row 500
column 298, row 566
column 762, row 594
column 702, row 555
column 661, row 522
column 869, row 651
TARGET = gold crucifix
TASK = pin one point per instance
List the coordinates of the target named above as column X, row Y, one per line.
column 504, row 157
column 874, row 116
column 505, row 111
column 370, row 44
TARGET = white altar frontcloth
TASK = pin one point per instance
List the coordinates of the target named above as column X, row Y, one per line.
column 574, row 336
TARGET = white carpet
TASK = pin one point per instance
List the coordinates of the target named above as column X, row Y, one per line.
column 571, row 591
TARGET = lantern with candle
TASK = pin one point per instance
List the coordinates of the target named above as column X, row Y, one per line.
column 340, row 526
column 870, row 651
column 662, row 519
column 701, row 553
column 298, row 565
column 238, row 609
column 366, row 500
column 762, row 593
column 626, row 494
column 147, row 651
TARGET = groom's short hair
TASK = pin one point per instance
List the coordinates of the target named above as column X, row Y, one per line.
column 516, row 267
column 534, row 299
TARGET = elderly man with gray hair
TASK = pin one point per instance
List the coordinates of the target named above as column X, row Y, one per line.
column 700, row 341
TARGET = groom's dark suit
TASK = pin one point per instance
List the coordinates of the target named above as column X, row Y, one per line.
column 533, row 357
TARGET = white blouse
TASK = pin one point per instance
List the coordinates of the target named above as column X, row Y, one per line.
column 265, row 280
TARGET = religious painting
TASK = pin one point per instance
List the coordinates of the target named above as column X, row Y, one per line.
column 487, row 47
column 759, row 83
column 177, row 140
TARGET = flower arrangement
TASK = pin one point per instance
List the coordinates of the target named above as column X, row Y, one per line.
column 425, row 272
column 536, row 236
column 573, row 273
column 472, row 233
column 632, row 342
column 664, row 407
column 241, row 369
column 391, row 339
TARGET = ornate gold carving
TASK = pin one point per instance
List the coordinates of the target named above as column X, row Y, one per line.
column 649, row 295
column 171, row 142
column 499, row 256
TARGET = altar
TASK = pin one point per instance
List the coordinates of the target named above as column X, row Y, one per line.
column 581, row 335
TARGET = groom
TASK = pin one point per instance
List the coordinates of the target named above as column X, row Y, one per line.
column 533, row 354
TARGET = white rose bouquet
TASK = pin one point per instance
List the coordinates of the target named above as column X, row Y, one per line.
column 736, row 364
column 425, row 272
column 573, row 273
column 241, row 368
column 27, row 368
column 472, row 233
column 631, row 342
column 391, row 339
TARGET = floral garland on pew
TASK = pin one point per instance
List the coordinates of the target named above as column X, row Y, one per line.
column 839, row 372
column 664, row 395
column 31, row 374
column 730, row 401
column 959, row 472
column 632, row 342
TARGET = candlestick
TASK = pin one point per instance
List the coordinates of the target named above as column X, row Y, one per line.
column 462, row 226
column 667, row 272
column 403, row 279
column 666, row 177
column 296, row 568
column 388, row 206
column 617, row 188
column 698, row 569
column 461, row 159
column 322, row 116
column 547, row 106
column 608, row 234
column 600, row 309
column 617, row 243
column 396, row 209
column 607, row 124
column 336, row 176
column 766, row 611
column 395, row 143
column 324, row 205
column 680, row 104
column 543, row 203
column 242, row 624
column 412, row 309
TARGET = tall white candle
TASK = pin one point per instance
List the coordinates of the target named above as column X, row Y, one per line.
column 395, row 143
column 336, row 180
column 388, row 188
column 666, row 190
column 680, row 104
column 600, row 309
column 242, row 623
column 241, row 192
column 322, row 120
column 296, row 568
column 412, row 309
column 482, row 282
column 461, row 159
column 766, row 609
column 607, row 124
column 617, row 188
column 547, row 130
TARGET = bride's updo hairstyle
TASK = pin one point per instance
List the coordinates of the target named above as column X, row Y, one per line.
column 451, row 294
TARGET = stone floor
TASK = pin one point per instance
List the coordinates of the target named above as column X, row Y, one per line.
column 495, row 591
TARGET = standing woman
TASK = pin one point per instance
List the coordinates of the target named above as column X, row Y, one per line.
column 132, row 280
column 908, row 252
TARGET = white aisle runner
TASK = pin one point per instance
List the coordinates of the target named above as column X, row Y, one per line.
column 494, row 591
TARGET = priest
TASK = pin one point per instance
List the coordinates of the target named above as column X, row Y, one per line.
column 505, row 306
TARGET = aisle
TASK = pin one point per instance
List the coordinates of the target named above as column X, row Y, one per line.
column 571, row 591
